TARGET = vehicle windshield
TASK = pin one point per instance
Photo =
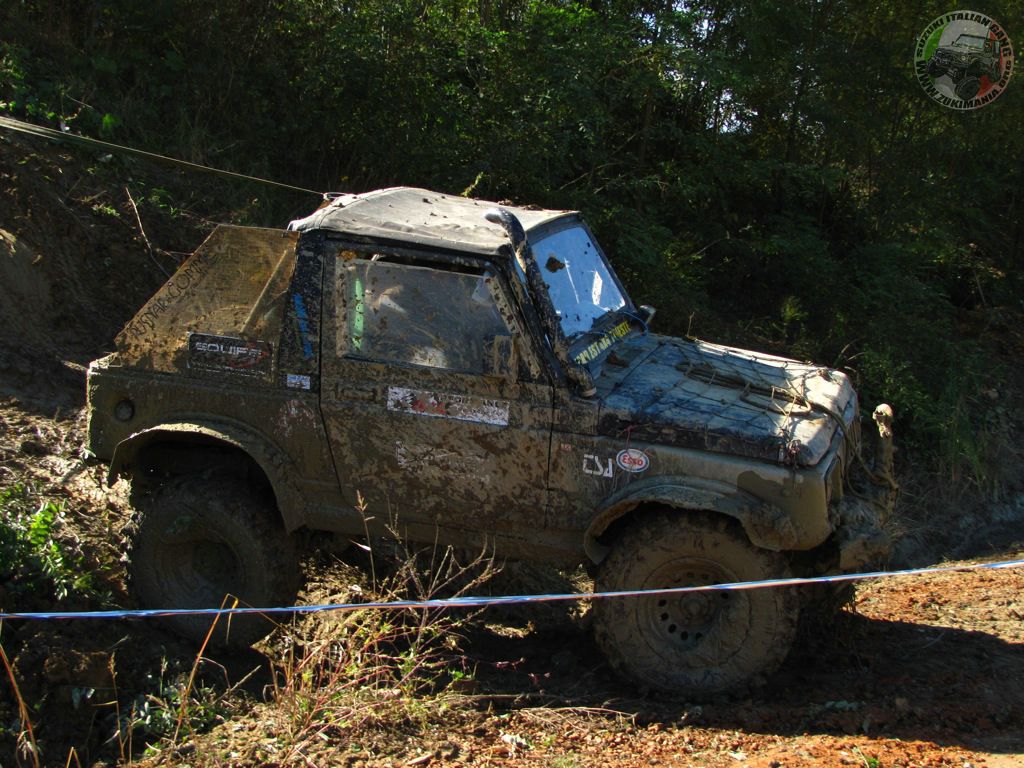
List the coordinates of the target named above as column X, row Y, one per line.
column 579, row 282
column 970, row 41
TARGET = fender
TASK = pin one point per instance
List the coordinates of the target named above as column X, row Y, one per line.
column 272, row 460
column 765, row 524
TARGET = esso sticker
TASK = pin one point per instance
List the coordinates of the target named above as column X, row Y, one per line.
column 633, row 460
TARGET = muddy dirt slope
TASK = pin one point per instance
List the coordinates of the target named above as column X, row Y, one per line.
column 925, row 671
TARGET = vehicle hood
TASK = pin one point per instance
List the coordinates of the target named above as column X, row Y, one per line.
column 693, row 394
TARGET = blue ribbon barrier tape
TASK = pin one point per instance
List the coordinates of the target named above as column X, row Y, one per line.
column 483, row 602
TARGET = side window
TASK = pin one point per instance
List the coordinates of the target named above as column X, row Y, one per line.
column 416, row 315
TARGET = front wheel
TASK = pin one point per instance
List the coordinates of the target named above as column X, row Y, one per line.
column 693, row 644
column 968, row 88
column 194, row 543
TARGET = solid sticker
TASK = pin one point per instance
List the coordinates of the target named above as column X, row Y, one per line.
column 430, row 460
column 633, row 460
column 963, row 60
column 595, row 465
column 303, row 320
column 295, row 418
column 297, row 381
column 595, row 349
column 448, row 406
column 227, row 353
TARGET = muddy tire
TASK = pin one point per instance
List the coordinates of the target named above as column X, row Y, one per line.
column 968, row 88
column 693, row 645
column 193, row 541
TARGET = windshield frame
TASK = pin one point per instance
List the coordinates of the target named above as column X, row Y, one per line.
column 962, row 35
column 589, row 348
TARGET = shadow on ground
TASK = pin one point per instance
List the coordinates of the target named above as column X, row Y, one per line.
column 856, row 676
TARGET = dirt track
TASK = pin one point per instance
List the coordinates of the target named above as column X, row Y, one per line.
column 925, row 671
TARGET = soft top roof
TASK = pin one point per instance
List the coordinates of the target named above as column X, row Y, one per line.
column 408, row 214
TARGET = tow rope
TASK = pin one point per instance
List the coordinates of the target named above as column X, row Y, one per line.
column 39, row 131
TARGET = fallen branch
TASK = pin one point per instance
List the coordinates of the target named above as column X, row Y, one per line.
column 142, row 231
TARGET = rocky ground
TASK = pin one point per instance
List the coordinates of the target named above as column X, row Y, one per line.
column 919, row 671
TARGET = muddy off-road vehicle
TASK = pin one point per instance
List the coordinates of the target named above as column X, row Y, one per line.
column 965, row 61
column 478, row 374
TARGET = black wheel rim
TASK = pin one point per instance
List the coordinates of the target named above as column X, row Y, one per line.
column 694, row 629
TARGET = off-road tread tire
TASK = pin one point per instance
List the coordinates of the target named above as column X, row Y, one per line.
column 967, row 88
column 646, row 659
column 227, row 509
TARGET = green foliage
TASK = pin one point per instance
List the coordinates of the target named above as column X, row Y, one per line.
column 32, row 560
column 866, row 761
column 108, row 125
column 170, row 703
column 17, row 91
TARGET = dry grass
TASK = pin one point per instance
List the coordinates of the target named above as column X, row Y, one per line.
column 340, row 677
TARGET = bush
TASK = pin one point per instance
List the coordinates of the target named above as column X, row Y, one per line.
column 32, row 559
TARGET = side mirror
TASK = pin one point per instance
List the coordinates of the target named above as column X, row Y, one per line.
column 646, row 313
column 500, row 357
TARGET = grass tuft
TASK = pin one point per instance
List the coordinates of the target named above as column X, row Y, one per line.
column 346, row 672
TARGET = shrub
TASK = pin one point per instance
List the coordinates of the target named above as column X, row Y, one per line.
column 32, row 559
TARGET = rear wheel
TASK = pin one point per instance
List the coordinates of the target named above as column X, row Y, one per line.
column 193, row 543
column 698, row 643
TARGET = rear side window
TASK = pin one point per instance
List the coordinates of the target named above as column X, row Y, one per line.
column 413, row 315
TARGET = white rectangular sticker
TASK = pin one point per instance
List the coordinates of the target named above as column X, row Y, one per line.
column 447, row 406
column 297, row 381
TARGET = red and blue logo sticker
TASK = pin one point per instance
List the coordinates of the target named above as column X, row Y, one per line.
column 963, row 60
column 633, row 460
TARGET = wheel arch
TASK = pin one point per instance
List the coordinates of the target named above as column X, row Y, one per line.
column 766, row 525
column 180, row 447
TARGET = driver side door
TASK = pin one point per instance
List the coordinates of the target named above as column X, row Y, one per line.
column 424, row 425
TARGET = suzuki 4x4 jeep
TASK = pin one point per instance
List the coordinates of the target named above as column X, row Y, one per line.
column 965, row 61
column 479, row 374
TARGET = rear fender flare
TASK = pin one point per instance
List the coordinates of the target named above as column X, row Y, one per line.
column 767, row 526
column 268, row 457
